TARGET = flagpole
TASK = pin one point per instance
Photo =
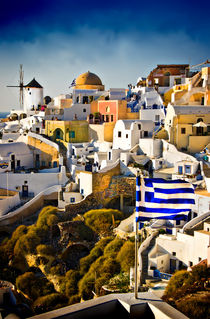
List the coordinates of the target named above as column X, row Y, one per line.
column 136, row 238
column 136, row 262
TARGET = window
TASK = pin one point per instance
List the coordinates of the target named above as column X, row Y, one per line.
column 119, row 134
column 157, row 118
column 72, row 200
column 82, row 191
column 112, row 118
column 107, row 109
column 126, row 135
column 139, row 126
column 37, row 130
column 178, row 81
column 173, row 253
column 43, row 163
column 146, row 134
column 161, row 262
column 187, row 169
column 183, row 130
column 103, row 117
column 18, row 163
column 107, row 118
column 180, row 169
column 199, row 259
column 84, row 110
column 190, row 263
column 25, row 182
column 50, row 164
column 72, row 134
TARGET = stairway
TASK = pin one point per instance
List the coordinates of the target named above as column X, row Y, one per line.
column 144, row 256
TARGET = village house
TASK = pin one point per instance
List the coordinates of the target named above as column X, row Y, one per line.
column 173, row 252
column 128, row 132
column 188, row 127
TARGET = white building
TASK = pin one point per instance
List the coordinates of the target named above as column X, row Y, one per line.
column 128, row 132
column 15, row 155
column 172, row 252
column 31, row 184
column 33, row 96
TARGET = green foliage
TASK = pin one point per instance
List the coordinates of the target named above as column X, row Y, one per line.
column 184, row 282
column 101, row 221
column 126, row 256
column 196, row 307
column 50, row 302
column 45, row 250
column 113, row 248
column 74, row 299
column 119, row 283
column 47, row 217
column 10, row 244
column 86, row 286
column 96, row 252
column 71, row 282
column 33, row 286
column 99, row 273
column 26, row 244
column 85, row 233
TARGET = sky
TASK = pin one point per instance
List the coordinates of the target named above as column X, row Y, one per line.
column 57, row 40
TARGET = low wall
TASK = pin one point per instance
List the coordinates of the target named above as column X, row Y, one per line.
column 30, row 207
column 11, row 200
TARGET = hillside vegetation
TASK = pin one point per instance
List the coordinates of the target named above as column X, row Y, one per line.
column 51, row 274
column 189, row 292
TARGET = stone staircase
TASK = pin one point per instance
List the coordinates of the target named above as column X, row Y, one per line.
column 144, row 256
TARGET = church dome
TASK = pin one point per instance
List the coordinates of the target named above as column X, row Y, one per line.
column 88, row 78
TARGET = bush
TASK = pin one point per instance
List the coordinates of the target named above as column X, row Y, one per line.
column 33, row 286
column 96, row 252
column 71, row 283
column 45, row 250
column 50, row 302
column 196, row 307
column 177, row 281
column 47, row 217
column 113, row 248
column 74, row 299
column 126, row 256
column 101, row 221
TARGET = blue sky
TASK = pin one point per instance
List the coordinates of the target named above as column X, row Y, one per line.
column 118, row 40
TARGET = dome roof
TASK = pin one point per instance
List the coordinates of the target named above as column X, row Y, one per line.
column 88, row 78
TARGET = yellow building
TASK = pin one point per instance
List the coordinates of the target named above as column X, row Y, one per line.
column 46, row 153
column 188, row 127
column 67, row 131
column 196, row 90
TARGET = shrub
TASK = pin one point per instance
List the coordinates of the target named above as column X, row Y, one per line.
column 50, row 302
column 96, row 252
column 71, row 280
column 177, row 281
column 26, row 244
column 195, row 307
column 101, row 220
column 74, row 299
column 126, row 256
column 33, row 286
column 113, row 248
column 45, row 250
column 86, row 286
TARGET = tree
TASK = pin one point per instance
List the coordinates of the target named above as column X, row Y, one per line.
column 101, row 220
column 126, row 256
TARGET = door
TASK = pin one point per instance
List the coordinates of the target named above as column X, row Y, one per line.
column 12, row 162
column 24, row 190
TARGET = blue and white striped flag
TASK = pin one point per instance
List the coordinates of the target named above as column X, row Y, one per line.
column 162, row 199
column 73, row 83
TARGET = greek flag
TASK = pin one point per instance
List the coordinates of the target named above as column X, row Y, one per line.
column 73, row 83
column 162, row 199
